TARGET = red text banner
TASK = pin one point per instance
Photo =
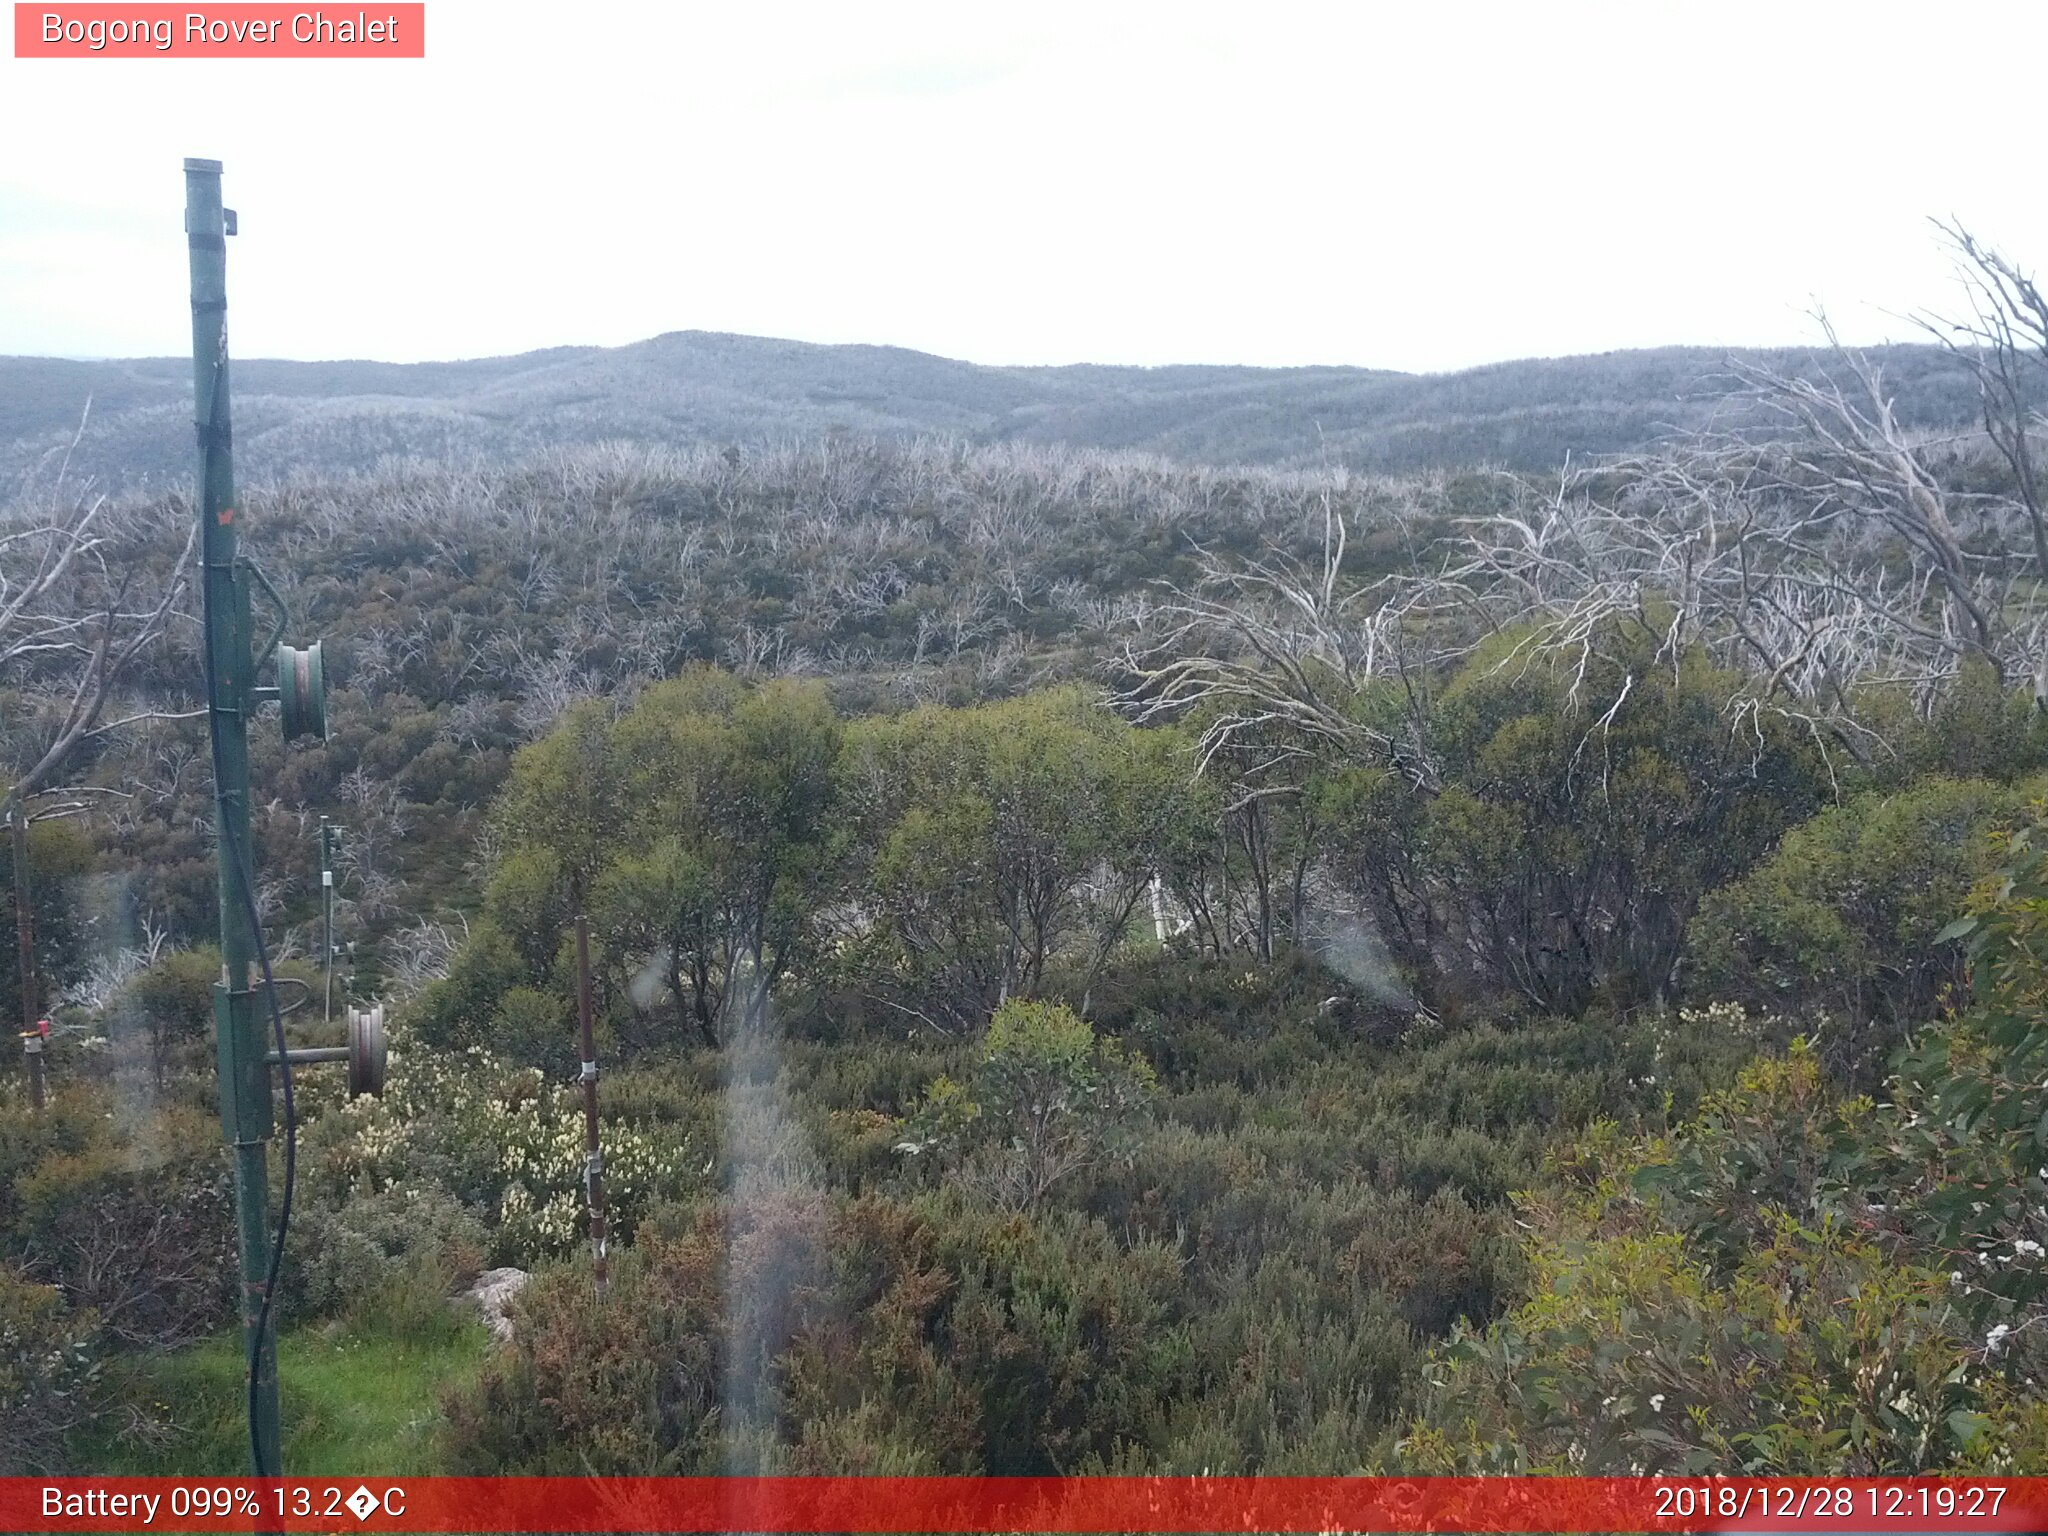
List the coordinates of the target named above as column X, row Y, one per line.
column 987, row 1505
column 224, row 31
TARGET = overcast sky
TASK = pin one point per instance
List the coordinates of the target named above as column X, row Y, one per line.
column 1419, row 185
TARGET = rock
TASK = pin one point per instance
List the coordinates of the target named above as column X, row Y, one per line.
column 493, row 1293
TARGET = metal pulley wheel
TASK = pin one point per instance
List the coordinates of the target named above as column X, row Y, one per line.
column 302, row 691
column 366, row 1051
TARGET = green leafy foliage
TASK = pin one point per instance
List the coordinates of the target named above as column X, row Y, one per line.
column 1245, row 1277
column 1799, row 1281
column 1847, row 915
column 1584, row 815
column 1049, row 1099
column 383, row 1260
column 497, row 1139
column 168, row 1008
column 128, row 1216
column 50, row 1363
column 730, row 852
column 976, row 833
column 59, row 852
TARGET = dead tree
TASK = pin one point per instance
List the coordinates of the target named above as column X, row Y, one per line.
column 1699, row 548
column 2004, row 344
column 1850, row 465
column 1273, row 655
column 76, row 610
column 1823, row 556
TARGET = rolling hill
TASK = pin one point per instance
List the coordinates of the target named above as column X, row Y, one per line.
column 693, row 387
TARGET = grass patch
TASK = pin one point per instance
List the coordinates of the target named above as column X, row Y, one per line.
column 355, row 1403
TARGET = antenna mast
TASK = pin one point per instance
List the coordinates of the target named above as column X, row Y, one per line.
column 245, row 1108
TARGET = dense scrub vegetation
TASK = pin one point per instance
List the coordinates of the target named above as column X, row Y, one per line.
column 463, row 611
column 1803, row 1280
column 1207, row 1200
column 1099, row 966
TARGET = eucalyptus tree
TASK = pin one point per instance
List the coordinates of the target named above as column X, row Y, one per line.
column 728, row 847
column 998, row 840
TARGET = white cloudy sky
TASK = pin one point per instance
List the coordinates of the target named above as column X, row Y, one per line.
column 1421, row 185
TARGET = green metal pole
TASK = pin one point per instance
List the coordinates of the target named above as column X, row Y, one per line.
column 245, row 1108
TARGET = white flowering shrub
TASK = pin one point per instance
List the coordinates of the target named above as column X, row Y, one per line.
column 1732, row 1019
column 1714, row 1022
column 506, row 1142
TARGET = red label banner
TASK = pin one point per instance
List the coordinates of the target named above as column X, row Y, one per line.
column 1003, row 1504
column 223, row 31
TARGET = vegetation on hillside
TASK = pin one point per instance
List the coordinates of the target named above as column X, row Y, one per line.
column 698, row 389
column 1804, row 1280
column 1100, row 965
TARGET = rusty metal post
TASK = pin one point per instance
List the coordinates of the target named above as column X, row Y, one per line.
column 25, row 940
column 327, row 917
column 593, row 1153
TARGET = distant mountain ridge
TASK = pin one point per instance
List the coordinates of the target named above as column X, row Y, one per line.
column 693, row 387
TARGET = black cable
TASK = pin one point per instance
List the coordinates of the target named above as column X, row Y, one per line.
column 291, row 1150
column 225, row 828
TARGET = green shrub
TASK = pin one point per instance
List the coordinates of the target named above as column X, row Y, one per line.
column 1292, row 1378
column 536, row 1027
column 50, row 1357
column 1847, row 915
column 387, row 1259
column 502, row 1141
column 1719, row 1303
column 1585, row 812
column 59, row 853
column 129, row 1217
column 834, row 1336
column 461, row 1009
column 626, row 1384
column 1979, row 730
column 1068, row 1342
column 1817, row 1357
column 169, row 1009
column 1799, row 1282
column 1048, row 1098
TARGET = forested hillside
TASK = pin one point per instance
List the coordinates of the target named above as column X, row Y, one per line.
column 1101, row 962
column 695, row 388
